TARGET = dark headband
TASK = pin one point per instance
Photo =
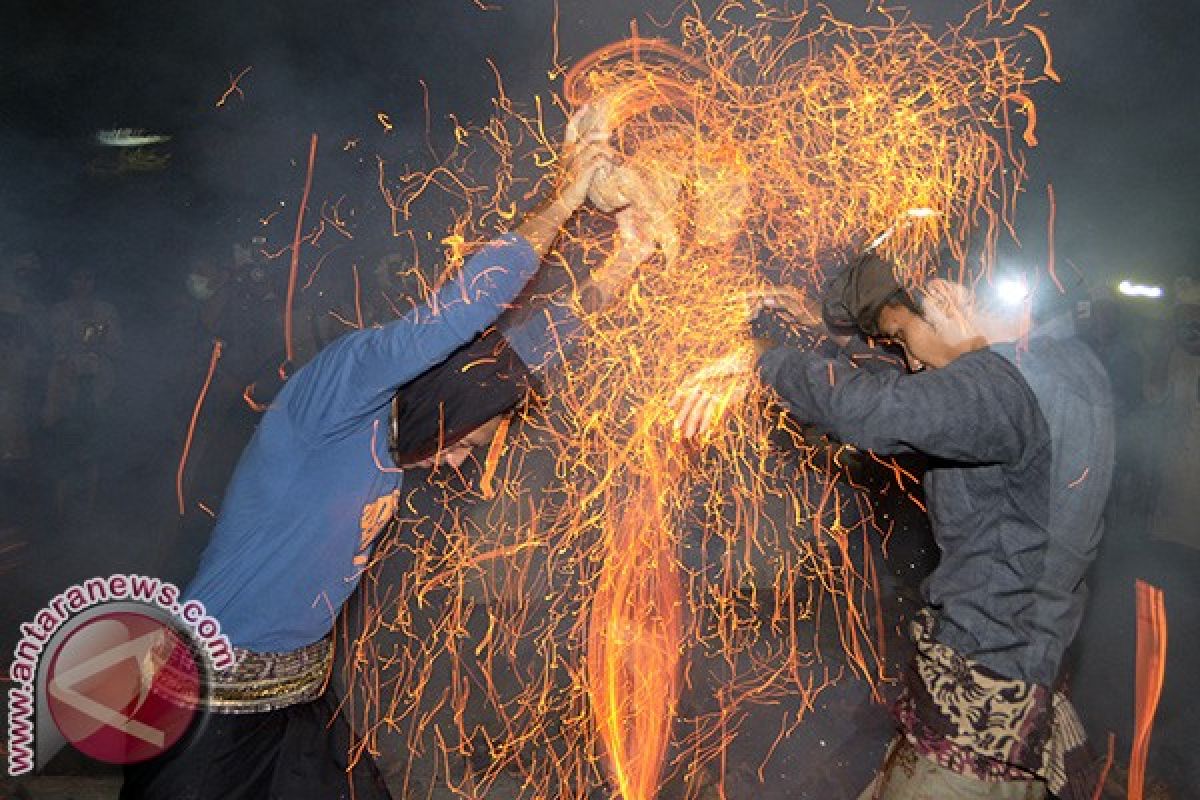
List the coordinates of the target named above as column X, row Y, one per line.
column 481, row 380
column 854, row 297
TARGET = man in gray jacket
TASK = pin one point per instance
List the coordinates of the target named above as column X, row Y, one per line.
column 1019, row 441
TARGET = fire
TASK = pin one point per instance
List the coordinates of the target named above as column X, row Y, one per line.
column 571, row 618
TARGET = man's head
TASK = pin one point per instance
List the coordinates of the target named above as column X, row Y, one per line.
column 947, row 325
column 442, row 415
column 934, row 325
column 454, row 454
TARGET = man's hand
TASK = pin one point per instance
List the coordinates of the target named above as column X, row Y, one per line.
column 703, row 400
column 796, row 302
column 634, row 247
column 584, row 153
column 633, row 232
column 579, row 166
column 586, row 149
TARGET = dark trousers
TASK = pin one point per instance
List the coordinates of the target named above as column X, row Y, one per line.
column 295, row 753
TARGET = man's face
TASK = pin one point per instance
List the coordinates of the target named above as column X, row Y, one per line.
column 924, row 343
column 455, row 454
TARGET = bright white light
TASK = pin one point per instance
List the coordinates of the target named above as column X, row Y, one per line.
column 1138, row 290
column 1012, row 291
column 922, row 213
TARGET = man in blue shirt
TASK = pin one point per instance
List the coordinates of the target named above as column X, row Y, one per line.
column 320, row 480
column 1019, row 448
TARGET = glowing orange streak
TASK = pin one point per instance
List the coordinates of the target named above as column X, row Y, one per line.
column 1030, row 135
column 357, row 297
column 493, row 458
column 1108, row 762
column 234, row 87
column 556, row 68
column 633, row 650
column 291, row 291
column 425, row 104
column 1048, row 68
column 248, row 397
column 1050, row 239
column 187, row 443
column 1148, row 679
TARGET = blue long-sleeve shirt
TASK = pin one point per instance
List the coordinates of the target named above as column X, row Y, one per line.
column 1020, row 458
column 316, row 485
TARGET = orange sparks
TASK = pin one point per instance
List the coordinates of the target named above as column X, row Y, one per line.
column 1148, row 679
column 1048, row 67
column 571, row 616
column 358, row 317
column 556, row 68
column 385, row 121
column 1050, row 239
column 495, row 450
column 187, row 442
column 234, row 86
column 1030, row 110
column 1108, row 762
column 295, row 265
column 251, row 403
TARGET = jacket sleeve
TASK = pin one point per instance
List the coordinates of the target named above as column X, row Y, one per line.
column 359, row 373
column 977, row 409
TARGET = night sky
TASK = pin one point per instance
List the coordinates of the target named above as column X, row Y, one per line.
column 1117, row 136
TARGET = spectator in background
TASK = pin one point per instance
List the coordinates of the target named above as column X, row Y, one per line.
column 240, row 303
column 1177, row 507
column 1101, row 325
column 20, row 317
column 86, row 337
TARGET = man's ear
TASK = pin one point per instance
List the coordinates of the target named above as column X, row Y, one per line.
column 953, row 304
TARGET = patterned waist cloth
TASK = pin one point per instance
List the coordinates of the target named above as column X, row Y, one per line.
column 269, row 681
column 257, row 682
column 970, row 720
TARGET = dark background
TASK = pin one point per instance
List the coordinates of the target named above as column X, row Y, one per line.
column 1117, row 136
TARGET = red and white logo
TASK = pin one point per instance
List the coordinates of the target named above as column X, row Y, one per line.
column 124, row 686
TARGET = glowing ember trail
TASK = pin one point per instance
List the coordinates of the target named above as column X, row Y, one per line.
column 191, row 432
column 547, row 637
column 295, row 263
column 1148, row 676
column 234, row 86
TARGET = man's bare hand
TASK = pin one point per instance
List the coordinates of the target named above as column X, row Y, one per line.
column 586, row 149
column 633, row 248
column 705, row 397
column 636, row 243
column 802, row 307
column 580, row 164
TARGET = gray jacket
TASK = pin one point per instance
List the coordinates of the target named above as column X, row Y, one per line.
column 1020, row 450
